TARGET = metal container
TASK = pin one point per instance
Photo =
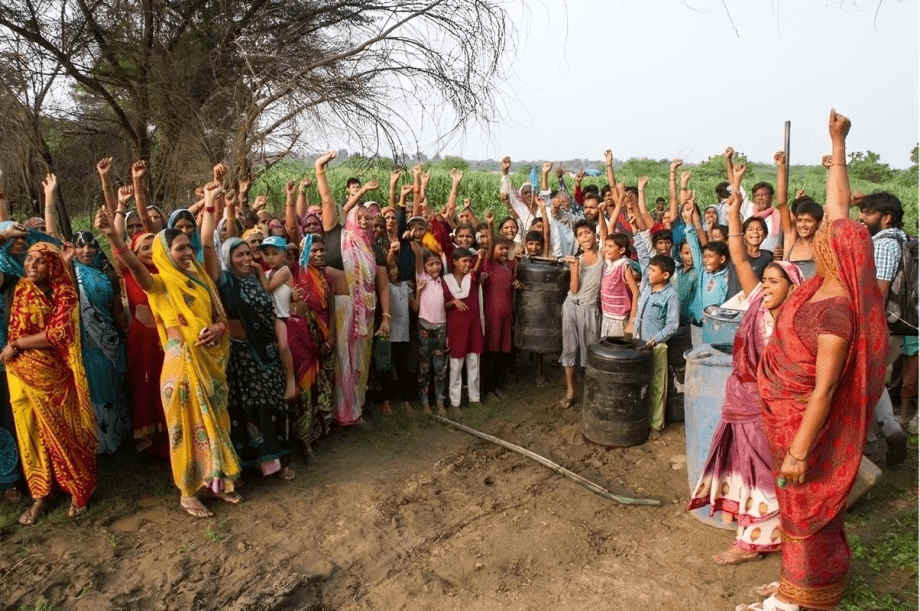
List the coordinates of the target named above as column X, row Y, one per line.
column 720, row 325
column 678, row 345
column 614, row 408
column 538, row 305
column 708, row 369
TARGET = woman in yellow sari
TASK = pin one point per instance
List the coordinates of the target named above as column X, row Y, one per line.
column 48, row 390
column 193, row 385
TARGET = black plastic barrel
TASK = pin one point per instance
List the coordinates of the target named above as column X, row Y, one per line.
column 538, row 305
column 614, row 408
column 677, row 346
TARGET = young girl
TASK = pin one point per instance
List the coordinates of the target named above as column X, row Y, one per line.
column 498, row 280
column 580, row 311
column 400, row 292
column 464, row 325
column 428, row 301
column 277, row 281
column 619, row 291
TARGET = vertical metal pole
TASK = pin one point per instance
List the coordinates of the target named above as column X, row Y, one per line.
column 788, row 127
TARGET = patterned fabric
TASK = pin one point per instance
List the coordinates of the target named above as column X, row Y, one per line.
column 432, row 358
column 48, row 391
column 103, row 356
column 887, row 245
column 812, row 513
column 193, row 384
column 254, row 373
column 358, row 326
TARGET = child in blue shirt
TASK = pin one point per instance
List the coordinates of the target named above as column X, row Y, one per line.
column 712, row 274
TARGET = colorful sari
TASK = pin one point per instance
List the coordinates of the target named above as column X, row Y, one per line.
column 314, row 370
column 816, row 557
column 737, row 478
column 254, row 372
column 354, row 324
column 193, row 383
column 48, row 390
column 145, row 362
column 103, row 349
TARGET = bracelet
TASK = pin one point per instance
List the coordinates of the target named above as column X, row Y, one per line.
column 789, row 452
column 387, row 315
column 209, row 209
column 121, row 250
column 117, row 212
column 321, row 172
column 736, row 235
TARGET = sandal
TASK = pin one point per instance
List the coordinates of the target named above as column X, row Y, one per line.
column 30, row 515
column 287, row 474
column 229, row 497
column 769, row 604
column 567, row 402
column 194, row 507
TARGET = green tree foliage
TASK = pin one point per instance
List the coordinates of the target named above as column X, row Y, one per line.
column 868, row 166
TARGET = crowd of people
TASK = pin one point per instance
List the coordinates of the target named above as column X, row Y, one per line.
column 223, row 337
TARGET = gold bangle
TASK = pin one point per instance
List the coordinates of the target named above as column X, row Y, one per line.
column 789, row 452
column 838, row 163
column 387, row 315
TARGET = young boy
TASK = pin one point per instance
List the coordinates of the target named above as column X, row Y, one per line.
column 534, row 245
column 464, row 325
column 657, row 319
column 712, row 273
column 498, row 282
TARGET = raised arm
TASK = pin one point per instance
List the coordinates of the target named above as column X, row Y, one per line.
column 230, row 204
column 747, row 277
column 394, row 181
column 602, row 228
column 673, row 213
column 123, row 254
column 643, row 207
column 547, row 220
column 423, row 192
column 727, row 157
column 608, row 163
column 370, row 185
column 138, row 172
column 302, row 202
column 838, row 182
column 417, row 171
column 330, row 214
column 544, row 175
column 455, row 177
column 125, row 193
column 212, row 192
column 103, row 167
column 49, row 186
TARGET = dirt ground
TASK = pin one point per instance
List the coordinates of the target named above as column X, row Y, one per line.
column 405, row 513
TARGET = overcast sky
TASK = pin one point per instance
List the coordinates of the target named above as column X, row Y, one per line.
column 666, row 78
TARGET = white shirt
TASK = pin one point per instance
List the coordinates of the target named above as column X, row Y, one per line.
column 399, row 311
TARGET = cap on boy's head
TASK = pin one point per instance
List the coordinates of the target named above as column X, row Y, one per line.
column 274, row 241
column 460, row 253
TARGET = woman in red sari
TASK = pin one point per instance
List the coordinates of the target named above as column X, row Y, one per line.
column 819, row 379
column 55, row 423
column 145, row 358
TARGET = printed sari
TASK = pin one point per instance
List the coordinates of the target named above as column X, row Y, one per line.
column 737, row 478
column 145, row 362
column 48, row 390
column 254, row 372
column 816, row 557
column 103, row 349
column 354, row 324
column 307, row 335
column 193, row 383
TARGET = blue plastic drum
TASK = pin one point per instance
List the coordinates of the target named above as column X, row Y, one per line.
column 708, row 368
column 9, row 459
column 720, row 325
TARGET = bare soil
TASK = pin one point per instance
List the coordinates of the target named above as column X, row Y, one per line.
column 404, row 513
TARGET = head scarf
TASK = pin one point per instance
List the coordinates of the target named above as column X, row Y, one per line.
column 226, row 252
column 100, row 261
column 360, row 269
column 12, row 264
column 182, row 213
column 251, row 234
column 275, row 224
column 136, row 243
column 157, row 208
column 34, row 222
column 787, row 375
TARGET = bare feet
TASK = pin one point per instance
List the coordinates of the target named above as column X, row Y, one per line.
column 735, row 555
column 30, row 515
column 567, row 401
column 442, row 412
column 386, row 408
column 407, row 407
column 229, row 497
column 287, row 474
column 73, row 511
column 194, row 507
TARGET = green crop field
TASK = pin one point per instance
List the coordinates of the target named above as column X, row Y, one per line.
column 482, row 186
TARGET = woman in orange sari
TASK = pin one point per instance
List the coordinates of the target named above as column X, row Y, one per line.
column 48, row 388
column 819, row 379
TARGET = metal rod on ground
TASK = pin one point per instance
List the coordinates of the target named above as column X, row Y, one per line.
column 625, row 500
column 788, row 128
